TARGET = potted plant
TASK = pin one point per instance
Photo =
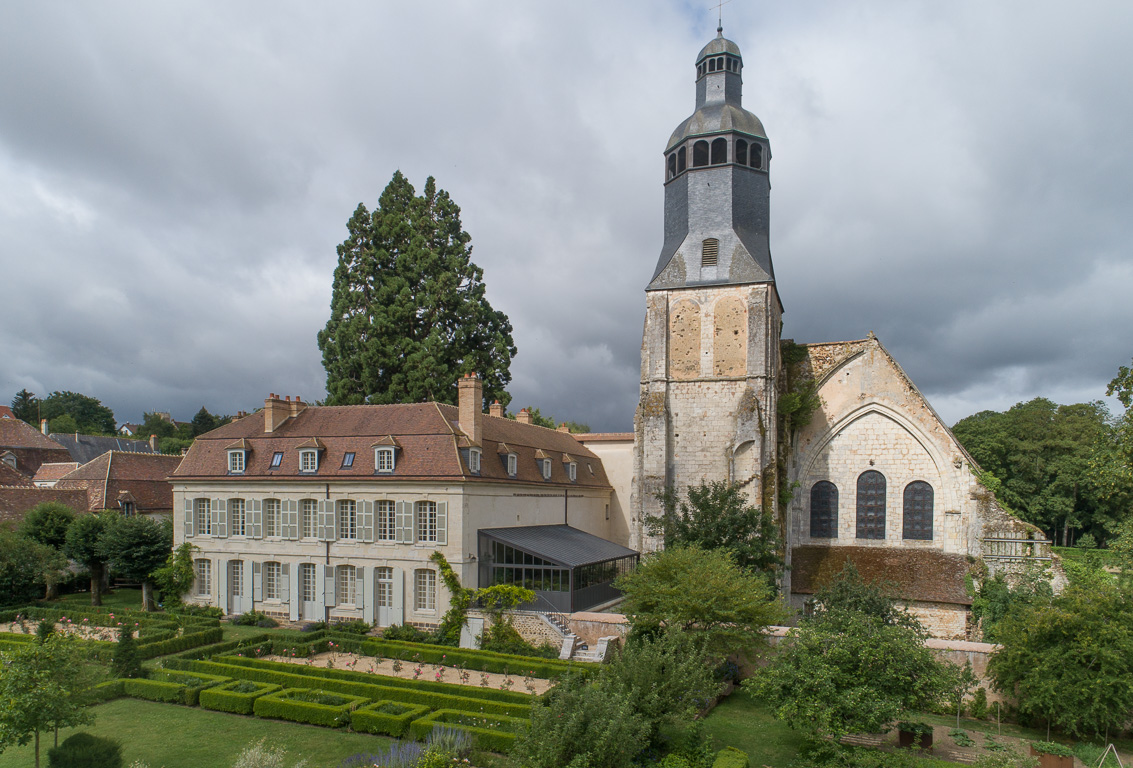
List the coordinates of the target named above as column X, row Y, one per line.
column 1052, row 754
column 912, row 734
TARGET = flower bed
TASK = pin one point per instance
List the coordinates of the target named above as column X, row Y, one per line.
column 371, row 691
column 308, row 705
column 491, row 732
column 237, row 696
column 388, row 717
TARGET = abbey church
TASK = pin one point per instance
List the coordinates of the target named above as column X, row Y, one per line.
column 874, row 476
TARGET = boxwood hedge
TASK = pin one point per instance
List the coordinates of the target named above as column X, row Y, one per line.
column 482, row 661
column 491, row 732
column 288, row 705
column 228, row 697
column 389, row 717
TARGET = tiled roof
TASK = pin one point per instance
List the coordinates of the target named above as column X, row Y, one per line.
column 15, row 502
column 6, row 412
column 604, row 437
column 51, row 472
column 13, row 478
column 19, row 434
column 924, row 575
column 144, row 476
column 426, row 433
column 87, row 448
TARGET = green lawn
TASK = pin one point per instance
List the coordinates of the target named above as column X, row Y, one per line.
column 186, row 737
column 739, row 722
column 119, row 599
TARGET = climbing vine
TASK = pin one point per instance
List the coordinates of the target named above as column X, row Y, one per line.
column 496, row 599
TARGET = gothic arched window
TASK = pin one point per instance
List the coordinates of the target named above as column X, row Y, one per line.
column 741, row 151
column 719, row 151
column 917, row 511
column 756, row 155
column 871, row 505
column 824, row 510
column 700, row 154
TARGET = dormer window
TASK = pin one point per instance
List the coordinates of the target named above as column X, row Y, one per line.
column 276, row 459
column 572, row 471
column 512, row 464
column 546, row 469
column 8, row 458
column 385, row 459
column 474, row 460
column 308, row 460
column 236, row 462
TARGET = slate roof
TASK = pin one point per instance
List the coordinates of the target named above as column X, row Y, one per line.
column 922, row 575
column 426, row 433
column 87, row 448
column 560, row 543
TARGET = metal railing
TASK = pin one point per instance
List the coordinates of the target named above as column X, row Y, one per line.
column 544, row 606
column 1015, row 548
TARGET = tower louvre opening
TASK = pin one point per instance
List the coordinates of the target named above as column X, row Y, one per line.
column 709, row 252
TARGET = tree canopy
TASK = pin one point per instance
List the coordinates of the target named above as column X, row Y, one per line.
column 718, row 516
column 1045, row 458
column 25, row 566
column 408, row 314
column 89, row 415
column 47, row 523
column 137, row 546
column 85, row 544
column 25, row 406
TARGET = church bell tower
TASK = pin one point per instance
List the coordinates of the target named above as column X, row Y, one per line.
column 710, row 351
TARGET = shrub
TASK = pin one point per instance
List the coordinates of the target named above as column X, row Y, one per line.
column 155, row 690
column 238, row 696
column 401, row 754
column 108, row 691
column 82, row 750
column 255, row 619
column 730, row 757
column 209, row 611
column 1052, row 748
column 480, row 660
column 978, row 706
column 406, row 634
column 125, row 662
column 389, row 717
column 449, row 741
column 355, row 627
column 293, row 704
column 961, row 737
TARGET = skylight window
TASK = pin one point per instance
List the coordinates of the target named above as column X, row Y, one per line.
column 276, row 459
column 347, row 460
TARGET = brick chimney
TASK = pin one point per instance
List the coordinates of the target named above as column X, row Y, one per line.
column 563, row 427
column 495, row 409
column 275, row 412
column 524, row 416
column 471, row 405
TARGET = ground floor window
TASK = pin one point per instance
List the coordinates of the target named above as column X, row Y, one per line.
column 425, row 592
column 203, row 569
column 345, row 579
column 272, row 573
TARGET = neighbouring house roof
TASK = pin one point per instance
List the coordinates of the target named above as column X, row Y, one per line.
column 426, row 434
column 922, row 575
column 30, row 446
column 49, row 473
column 86, row 448
column 6, row 412
column 13, row 477
column 143, row 476
column 15, row 501
column 604, row 437
column 562, row 544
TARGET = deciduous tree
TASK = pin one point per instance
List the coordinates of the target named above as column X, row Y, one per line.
column 718, row 516
column 85, row 545
column 47, row 523
column 25, row 566
column 90, row 415
column 137, row 546
column 409, row 313
column 702, row 592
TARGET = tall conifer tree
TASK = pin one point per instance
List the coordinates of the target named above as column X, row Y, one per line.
column 408, row 312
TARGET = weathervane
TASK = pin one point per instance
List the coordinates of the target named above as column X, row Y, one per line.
column 720, row 15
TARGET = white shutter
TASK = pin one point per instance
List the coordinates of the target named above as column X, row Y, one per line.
column 257, row 582
column 220, row 523
column 361, row 593
column 285, row 581
column 397, row 610
column 257, row 516
column 328, row 585
column 442, row 522
column 291, row 519
column 295, row 595
column 190, row 516
column 222, row 584
column 367, row 521
column 246, row 589
column 327, row 522
column 403, row 520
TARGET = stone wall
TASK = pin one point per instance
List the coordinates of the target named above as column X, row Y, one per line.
column 591, row 626
column 532, row 627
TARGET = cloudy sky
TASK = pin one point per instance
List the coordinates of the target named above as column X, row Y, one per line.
column 174, row 177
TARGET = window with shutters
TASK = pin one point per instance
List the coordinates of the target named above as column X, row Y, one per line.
column 512, row 464
column 236, row 578
column 273, row 524
column 237, row 518
column 307, row 583
column 427, row 521
column 309, row 460
column 203, row 571
column 385, row 587
column 917, row 512
column 871, row 505
column 719, row 151
column 309, row 518
column 385, row 459
column 347, row 519
column 273, row 581
column 386, row 520
column 709, row 252
column 345, row 585
column 236, row 462
column 824, row 510
column 425, row 590
column 202, row 517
